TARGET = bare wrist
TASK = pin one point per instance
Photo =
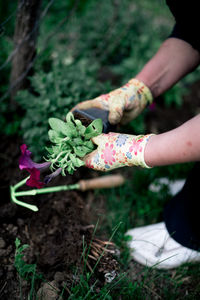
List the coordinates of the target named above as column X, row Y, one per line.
column 150, row 151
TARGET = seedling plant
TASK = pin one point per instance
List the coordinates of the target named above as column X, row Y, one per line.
column 71, row 141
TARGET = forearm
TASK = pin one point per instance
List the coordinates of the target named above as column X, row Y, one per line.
column 174, row 60
column 176, row 146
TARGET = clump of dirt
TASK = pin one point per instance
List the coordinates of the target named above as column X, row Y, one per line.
column 84, row 120
column 56, row 233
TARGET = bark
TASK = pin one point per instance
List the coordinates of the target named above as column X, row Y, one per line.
column 25, row 36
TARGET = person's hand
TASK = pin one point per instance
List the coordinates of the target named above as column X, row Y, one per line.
column 124, row 104
column 115, row 150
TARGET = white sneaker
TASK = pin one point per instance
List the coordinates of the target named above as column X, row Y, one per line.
column 152, row 246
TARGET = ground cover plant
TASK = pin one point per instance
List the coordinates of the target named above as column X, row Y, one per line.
column 84, row 49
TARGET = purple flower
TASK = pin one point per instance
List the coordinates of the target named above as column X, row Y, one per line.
column 48, row 178
column 34, row 180
column 25, row 162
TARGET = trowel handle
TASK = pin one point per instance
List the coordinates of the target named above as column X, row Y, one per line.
column 101, row 182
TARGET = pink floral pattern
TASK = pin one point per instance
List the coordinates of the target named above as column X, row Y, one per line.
column 136, row 146
column 108, row 154
column 89, row 164
column 117, row 150
column 132, row 97
column 105, row 97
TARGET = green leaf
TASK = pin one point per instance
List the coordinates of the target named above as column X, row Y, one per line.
column 94, row 129
column 56, row 124
column 78, row 141
column 80, row 151
column 54, row 136
column 81, row 129
column 49, row 149
column 62, row 127
column 17, row 243
column 70, row 117
column 86, row 149
column 89, row 144
column 72, row 157
column 26, row 271
column 79, row 163
column 76, row 161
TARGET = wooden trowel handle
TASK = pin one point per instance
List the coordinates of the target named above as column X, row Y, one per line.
column 101, row 182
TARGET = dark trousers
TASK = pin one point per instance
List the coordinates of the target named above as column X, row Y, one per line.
column 182, row 213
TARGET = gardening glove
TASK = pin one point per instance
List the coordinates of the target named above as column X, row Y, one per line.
column 116, row 150
column 123, row 104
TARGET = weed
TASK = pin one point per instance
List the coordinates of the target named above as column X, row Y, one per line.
column 25, row 271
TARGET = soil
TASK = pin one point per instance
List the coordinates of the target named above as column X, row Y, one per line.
column 85, row 121
column 64, row 223
column 56, row 233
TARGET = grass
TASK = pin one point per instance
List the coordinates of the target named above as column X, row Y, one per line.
column 88, row 286
column 134, row 205
column 25, row 271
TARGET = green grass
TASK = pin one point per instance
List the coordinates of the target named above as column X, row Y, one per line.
column 134, row 205
column 88, row 285
column 25, row 271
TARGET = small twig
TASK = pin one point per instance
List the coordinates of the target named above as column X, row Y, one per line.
column 97, row 250
column 92, row 257
column 88, row 265
column 95, row 253
column 97, row 245
column 104, row 242
column 100, row 248
column 87, row 227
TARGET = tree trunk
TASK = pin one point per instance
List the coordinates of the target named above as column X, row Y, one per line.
column 25, row 36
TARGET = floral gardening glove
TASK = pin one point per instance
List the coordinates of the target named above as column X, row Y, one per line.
column 117, row 150
column 123, row 104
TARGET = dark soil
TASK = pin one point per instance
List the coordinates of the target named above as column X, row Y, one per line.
column 55, row 233
column 64, row 220
column 85, row 121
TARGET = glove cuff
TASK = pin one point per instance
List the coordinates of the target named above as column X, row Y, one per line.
column 142, row 90
column 138, row 152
